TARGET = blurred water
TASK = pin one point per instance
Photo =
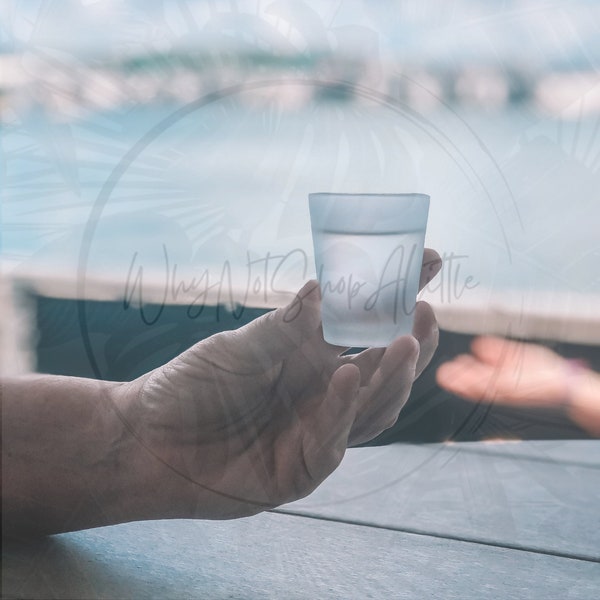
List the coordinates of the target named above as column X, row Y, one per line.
column 514, row 195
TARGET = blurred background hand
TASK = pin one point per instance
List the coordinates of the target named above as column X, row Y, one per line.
column 529, row 375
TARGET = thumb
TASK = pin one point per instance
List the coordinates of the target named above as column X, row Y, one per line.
column 279, row 332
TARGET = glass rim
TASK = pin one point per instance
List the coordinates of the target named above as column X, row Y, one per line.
column 370, row 194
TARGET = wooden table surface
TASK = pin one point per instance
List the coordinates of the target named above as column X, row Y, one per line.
column 466, row 520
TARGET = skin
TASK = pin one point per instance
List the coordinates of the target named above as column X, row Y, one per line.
column 518, row 374
column 241, row 422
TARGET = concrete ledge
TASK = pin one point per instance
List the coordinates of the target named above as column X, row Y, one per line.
column 564, row 316
column 17, row 333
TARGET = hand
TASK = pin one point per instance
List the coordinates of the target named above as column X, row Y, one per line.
column 249, row 419
column 512, row 373
column 518, row 374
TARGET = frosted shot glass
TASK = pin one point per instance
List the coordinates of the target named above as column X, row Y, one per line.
column 368, row 255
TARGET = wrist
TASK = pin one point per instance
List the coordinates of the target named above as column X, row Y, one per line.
column 147, row 487
column 135, row 490
column 582, row 397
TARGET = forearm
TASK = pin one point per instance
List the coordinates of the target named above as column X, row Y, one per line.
column 584, row 400
column 68, row 460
